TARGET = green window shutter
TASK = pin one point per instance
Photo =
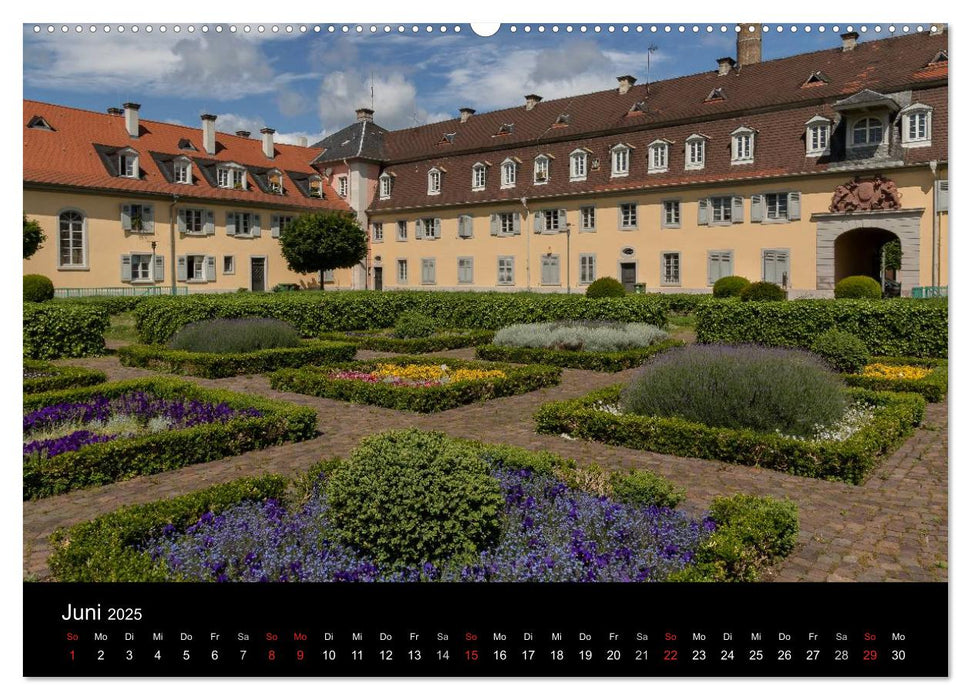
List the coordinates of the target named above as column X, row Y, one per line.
column 795, row 206
column 148, row 218
column 180, row 269
column 704, row 212
column 126, row 217
column 159, row 275
column 758, row 204
column 230, row 224
column 738, row 212
column 210, row 268
column 126, row 268
column 210, row 222
column 181, row 220
column 275, row 226
column 493, row 224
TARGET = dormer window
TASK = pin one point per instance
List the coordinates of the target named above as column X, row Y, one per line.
column 504, row 130
column 231, row 177
column 447, row 139
column 867, row 132
column 620, row 160
column 743, row 145
column 916, row 126
column 434, row 181
column 541, row 170
column 183, row 171
column 478, row 177
column 316, row 187
column 186, row 145
column 578, row 165
column 716, row 95
column 657, row 156
column 386, row 183
column 817, row 136
column 638, row 108
column 939, row 57
column 562, row 120
column 508, row 173
column 694, row 152
column 816, row 78
column 128, row 164
column 39, row 123
column 275, row 182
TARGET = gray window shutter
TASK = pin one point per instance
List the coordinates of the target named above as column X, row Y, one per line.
column 493, row 224
column 181, row 220
column 230, row 224
column 148, row 218
column 438, row 229
column 704, row 211
column 538, row 222
column 126, row 217
column 757, row 208
column 795, row 203
column 255, row 228
column 210, row 222
column 712, row 268
column 516, row 224
column 126, row 268
column 419, row 229
column 210, row 268
column 180, row 269
column 620, row 216
column 738, row 213
column 159, row 275
column 275, row 226
column 943, row 198
column 562, row 219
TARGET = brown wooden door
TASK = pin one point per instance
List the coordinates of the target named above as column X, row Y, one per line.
column 628, row 275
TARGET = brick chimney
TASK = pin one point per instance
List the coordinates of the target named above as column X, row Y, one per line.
column 849, row 40
column 365, row 114
column 209, row 133
column 625, row 83
column 116, row 111
column 465, row 113
column 725, row 65
column 532, row 101
column 244, row 134
column 131, row 118
column 268, row 141
column 749, row 43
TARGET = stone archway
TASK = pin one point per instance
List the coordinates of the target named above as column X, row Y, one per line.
column 858, row 252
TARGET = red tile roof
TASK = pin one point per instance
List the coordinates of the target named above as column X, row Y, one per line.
column 67, row 156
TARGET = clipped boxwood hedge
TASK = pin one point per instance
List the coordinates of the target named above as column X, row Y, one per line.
column 577, row 359
column 895, row 418
column 54, row 330
column 899, row 327
column 125, row 458
column 382, row 341
column 933, row 387
column 214, row 365
column 158, row 318
column 316, row 382
column 59, row 377
column 113, row 305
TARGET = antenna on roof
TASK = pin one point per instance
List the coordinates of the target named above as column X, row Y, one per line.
column 650, row 49
column 372, row 90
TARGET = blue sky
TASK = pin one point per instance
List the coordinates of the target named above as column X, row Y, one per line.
column 308, row 84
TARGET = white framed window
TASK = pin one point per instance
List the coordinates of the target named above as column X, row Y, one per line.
column 386, row 184
column 281, row 221
column 465, row 270
column 916, row 126
column 657, row 157
column 508, row 171
column 628, row 216
column 588, row 268
column 72, row 240
column 817, row 136
column 274, row 181
column 128, row 164
column 138, row 218
column 428, row 270
column 328, row 275
column 402, row 269
column 775, row 267
column 550, row 220
column 588, row 218
column 316, row 187
column 550, row 270
column 183, row 171
column 743, row 145
column 231, row 177
column 505, row 274
column 377, row 232
column 402, row 231
column 343, row 188
column 578, row 165
column 671, row 269
column 620, row 161
column 434, row 181
column 721, row 210
column 867, row 131
column 478, row 177
column 507, row 222
column 777, row 206
column 541, row 170
column 720, row 264
column 242, row 224
column 774, row 207
column 229, row 264
column 671, row 213
column 141, row 267
column 428, row 228
column 195, row 268
column 193, row 222
column 694, row 152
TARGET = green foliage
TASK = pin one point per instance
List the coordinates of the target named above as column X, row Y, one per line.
column 593, row 336
column 119, row 459
column 33, row 237
column 753, row 532
column 110, row 548
column 578, row 359
column 408, row 497
column 57, row 377
column 235, row 335
column 158, row 318
column 57, row 330
column 323, row 241
column 384, row 341
column 744, row 387
column 904, row 327
column 38, row 288
column 730, row 286
column 414, row 324
column 857, row 287
column 215, row 365
column 894, row 418
column 605, row 287
column 644, row 488
column 892, row 254
column 112, row 305
column 933, row 387
column 842, row 351
column 762, row 291
column 316, row 381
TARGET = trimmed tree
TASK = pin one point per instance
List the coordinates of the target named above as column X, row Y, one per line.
column 33, row 237
column 325, row 241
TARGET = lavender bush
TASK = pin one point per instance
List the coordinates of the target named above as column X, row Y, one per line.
column 235, row 335
column 589, row 336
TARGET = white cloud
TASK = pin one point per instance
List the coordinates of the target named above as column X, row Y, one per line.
column 396, row 103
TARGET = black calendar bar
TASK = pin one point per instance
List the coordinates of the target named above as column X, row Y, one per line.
column 343, row 630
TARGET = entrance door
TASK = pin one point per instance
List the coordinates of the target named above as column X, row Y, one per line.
column 628, row 275
column 378, row 279
column 258, row 274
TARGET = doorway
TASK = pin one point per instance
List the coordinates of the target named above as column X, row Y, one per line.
column 257, row 274
column 628, row 275
column 859, row 252
column 378, row 279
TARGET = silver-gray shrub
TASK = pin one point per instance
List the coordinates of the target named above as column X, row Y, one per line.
column 587, row 336
column 739, row 387
column 233, row 335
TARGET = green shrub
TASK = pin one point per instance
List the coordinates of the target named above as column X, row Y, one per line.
column 38, row 288
column 743, row 387
column 413, row 324
column 730, row 286
column 596, row 361
column 112, row 305
column 762, row 291
column 235, row 335
column 857, row 287
column 752, row 533
column 605, row 287
column 591, row 336
column 56, row 330
column 898, row 327
column 44, row 376
column 644, row 488
column 842, row 351
column 383, row 342
column 408, row 497
column 933, row 387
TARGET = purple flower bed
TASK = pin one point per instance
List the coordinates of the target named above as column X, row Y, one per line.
column 549, row 533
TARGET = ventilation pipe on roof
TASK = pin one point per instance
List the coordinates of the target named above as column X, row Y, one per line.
column 268, row 141
column 131, row 118
column 625, row 83
column 532, row 101
column 849, row 40
column 465, row 113
column 209, row 133
column 725, row 65
column 244, row 134
column 365, row 114
column 116, row 111
column 748, row 43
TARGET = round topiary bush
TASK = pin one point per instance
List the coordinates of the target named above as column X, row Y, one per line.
column 730, row 286
column 858, row 287
column 409, row 497
column 739, row 387
column 412, row 324
column 842, row 351
column 762, row 291
column 233, row 335
column 605, row 287
column 38, row 288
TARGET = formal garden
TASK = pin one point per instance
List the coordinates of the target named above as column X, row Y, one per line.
column 496, row 436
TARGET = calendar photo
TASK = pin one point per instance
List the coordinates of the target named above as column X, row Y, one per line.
column 520, row 314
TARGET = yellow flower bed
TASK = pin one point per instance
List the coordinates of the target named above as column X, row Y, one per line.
column 881, row 371
column 434, row 373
